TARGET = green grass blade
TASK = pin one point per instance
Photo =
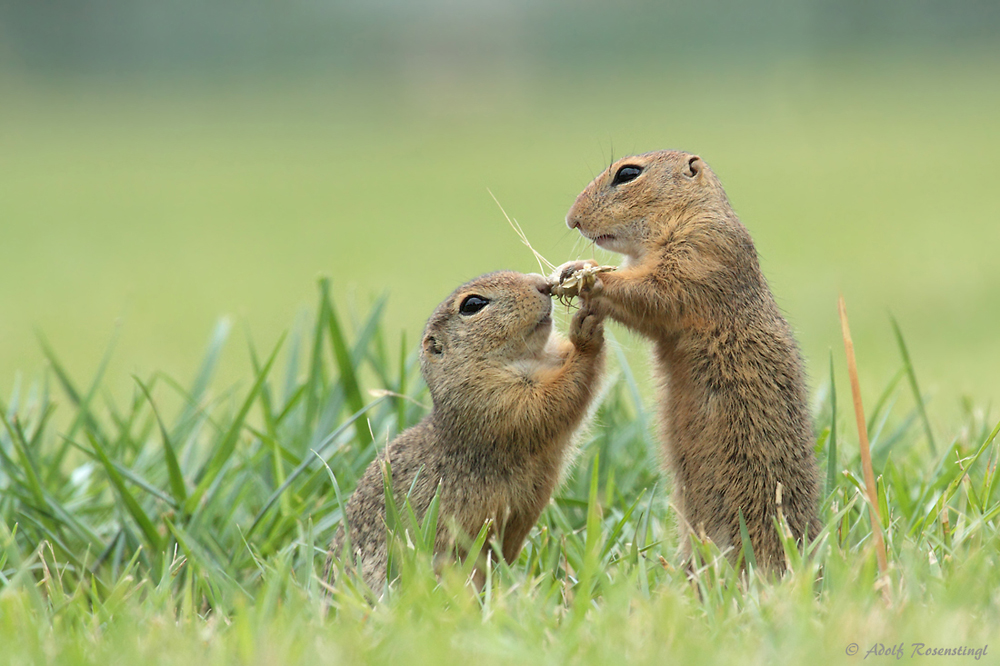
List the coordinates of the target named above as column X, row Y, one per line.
column 883, row 501
column 131, row 476
column 990, row 483
column 430, row 522
column 316, row 383
column 201, row 555
column 401, row 386
column 953, row 486
column 22, row 577
column 83, row 416
column 227, row 445
column 885, row 396
column 131, row 505
column 61, row 374
column 35, row 443
column 639, row 543
column 630, row 382
column 294, row 399
column 472, row 554
column 291, row 382
column 266, row 407
column 912, row 376
column 831, row 447
column 173, row 467
column 591, row 545
column 393, row 522
column 343, row 358
column 28, row 462
column 205, row 372
column 368, row 334
column 306, row 462
column 411, row 522
column 616, row 531
column 748, row 555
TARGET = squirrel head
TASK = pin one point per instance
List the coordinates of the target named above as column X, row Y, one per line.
column 488, row 322
column 639, row 199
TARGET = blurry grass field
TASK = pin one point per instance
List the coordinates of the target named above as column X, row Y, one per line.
column 145, row 535
column 165, row 208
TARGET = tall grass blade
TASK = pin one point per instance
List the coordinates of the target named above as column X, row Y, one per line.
column 630, row 382
column 173, row 467
column 591, row 545
column 748, row 554
column 953, row 486
column 130, row 475
column 831, row 447
column 227, row 445
column 28, row 462
column 201, row 381
column 83, row 416
column 879, row 410
column 430, row 522
column 401, row 386
column 473, row 552
column 131, row 505
column 304, row 465
column 639, row 543
column 343, row 358
column 316, row 382
column 912, row 375
column 619, row 526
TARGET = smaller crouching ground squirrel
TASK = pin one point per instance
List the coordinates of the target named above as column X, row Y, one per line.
column 733, row 402
column 508, row 395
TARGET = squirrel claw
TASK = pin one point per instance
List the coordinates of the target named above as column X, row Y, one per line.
column 578, row 279
column 586, row 330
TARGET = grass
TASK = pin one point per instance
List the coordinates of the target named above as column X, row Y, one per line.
column 143, row 533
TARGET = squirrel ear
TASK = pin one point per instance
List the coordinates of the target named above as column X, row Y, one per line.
column 694, row 167
column 433, row 346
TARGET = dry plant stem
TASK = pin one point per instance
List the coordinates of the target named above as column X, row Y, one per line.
column 544, row 265
column 866, row 455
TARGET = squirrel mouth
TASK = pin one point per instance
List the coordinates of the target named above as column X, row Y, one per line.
column 604, row 240
column 543, row 322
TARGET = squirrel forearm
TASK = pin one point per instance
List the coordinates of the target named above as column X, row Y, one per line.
column 639, row 298
column 552, row 398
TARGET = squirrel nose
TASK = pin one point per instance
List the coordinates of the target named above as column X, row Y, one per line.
column 542, row 284
column 572, row 221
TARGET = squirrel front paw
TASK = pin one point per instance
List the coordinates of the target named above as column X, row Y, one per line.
column 564, row 272
column 578, row 278
column 586, row 331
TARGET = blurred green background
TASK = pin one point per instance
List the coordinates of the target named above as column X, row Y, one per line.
column 162, row 165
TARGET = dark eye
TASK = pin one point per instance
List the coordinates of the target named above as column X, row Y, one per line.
column 472, row 304
column 626, row 173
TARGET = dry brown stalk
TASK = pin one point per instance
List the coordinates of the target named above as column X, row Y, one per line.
column 866, row 455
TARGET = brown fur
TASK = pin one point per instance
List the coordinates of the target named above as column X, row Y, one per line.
column 734, row 411
column 508, row 394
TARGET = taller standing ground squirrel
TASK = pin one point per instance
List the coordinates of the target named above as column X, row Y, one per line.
column 733, row 400
column 508, row 396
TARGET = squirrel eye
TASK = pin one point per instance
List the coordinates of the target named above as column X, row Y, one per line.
column 472, row 304
column 626, row 173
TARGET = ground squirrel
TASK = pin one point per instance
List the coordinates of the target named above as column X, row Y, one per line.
column 733, row 398
column 508, row 395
